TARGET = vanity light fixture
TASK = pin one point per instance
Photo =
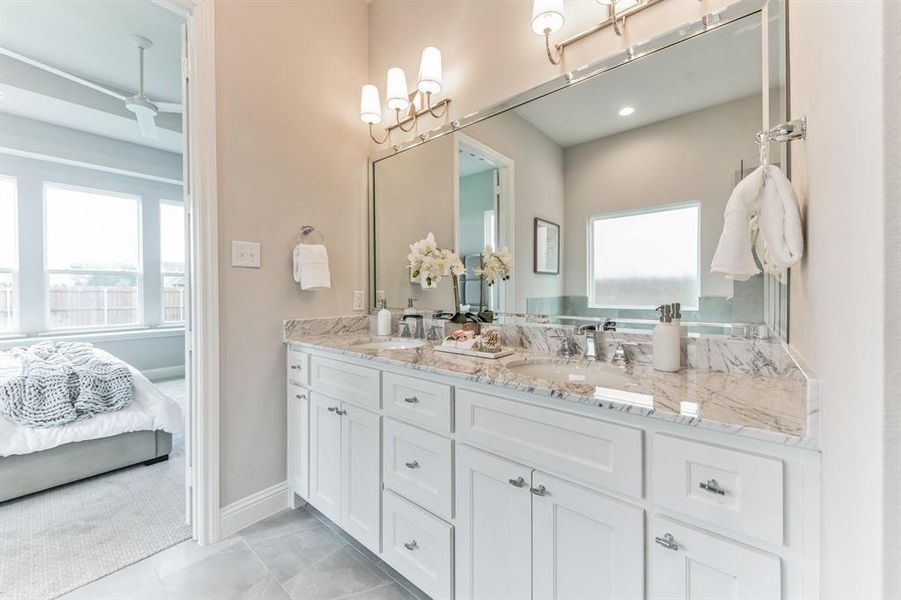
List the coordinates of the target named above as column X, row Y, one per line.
column 400, row 100
column 626, row 111
column 548, row 18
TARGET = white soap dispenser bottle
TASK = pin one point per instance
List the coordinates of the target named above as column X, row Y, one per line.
column 384, row 320
column 666, row 342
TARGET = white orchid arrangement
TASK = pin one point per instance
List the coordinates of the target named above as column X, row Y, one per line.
column 429, row 263
column 497, row 265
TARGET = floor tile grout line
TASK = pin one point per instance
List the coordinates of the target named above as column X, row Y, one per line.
column 265, row 566
column 358, row 594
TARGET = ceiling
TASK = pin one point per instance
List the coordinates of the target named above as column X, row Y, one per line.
column 471, row 163
column 91, row 39
column 721, row 65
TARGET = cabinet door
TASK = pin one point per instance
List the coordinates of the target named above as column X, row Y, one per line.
column 690, row 564
column 299, row 440
column 325, row 455
column 361, row 474
column 493, row 531
column 584, row 544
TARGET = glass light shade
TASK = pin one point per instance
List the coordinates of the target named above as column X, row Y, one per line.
column 370, row 105
column 621, row 5
column 398, row 95
column 430, row 71
column 547, row 15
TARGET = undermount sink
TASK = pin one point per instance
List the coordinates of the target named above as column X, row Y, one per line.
column 391, row 344
column 596, row 374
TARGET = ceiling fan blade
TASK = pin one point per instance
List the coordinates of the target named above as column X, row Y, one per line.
column 60, row 73
column 146, row 124
column 169, row 107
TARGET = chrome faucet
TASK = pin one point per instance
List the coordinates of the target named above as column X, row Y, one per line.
column 567, row 345
column 590, row 349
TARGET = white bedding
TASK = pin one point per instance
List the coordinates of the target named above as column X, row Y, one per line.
column 150, row 410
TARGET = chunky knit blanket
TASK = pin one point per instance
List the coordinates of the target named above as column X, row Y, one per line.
column 60, row 382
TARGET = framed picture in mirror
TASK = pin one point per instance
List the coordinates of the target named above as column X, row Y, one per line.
column 546, row 250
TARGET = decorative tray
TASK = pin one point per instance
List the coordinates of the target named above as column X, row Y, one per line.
column 476, row 353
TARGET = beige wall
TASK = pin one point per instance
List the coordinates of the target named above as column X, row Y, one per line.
column 694, row 157
column 837, row 81
column 292, row 151
column 537, row 192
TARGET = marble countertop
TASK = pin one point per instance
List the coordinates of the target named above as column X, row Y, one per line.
column 773, row 409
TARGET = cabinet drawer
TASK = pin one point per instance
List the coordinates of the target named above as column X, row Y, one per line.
column 344, row 381
column 688, row 563
column 734, row 490
column 299, row 440
column 589, row 451
column 417, row 465
column 418, row 545
column 298, row 367
column 418, row 401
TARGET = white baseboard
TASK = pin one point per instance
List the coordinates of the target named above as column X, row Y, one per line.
column 164, row 373
column 253, row 508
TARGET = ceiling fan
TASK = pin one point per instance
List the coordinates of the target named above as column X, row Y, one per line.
column 144, row 109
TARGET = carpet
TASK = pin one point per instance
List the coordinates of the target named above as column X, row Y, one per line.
column 55, row 541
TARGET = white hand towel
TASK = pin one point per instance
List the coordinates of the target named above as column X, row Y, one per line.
column 733, row 257
column 780, row 223
column 311, row 267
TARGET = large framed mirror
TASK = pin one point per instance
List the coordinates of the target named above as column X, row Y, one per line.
column 609, row 191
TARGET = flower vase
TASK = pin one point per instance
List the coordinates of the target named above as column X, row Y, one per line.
column 458, row 316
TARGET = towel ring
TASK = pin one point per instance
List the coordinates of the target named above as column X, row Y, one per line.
column 309, row 230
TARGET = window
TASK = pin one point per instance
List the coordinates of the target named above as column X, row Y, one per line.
column 8, row 254
column 489, row 223
column 172, row 260
column 93, row 257
column 643, row 259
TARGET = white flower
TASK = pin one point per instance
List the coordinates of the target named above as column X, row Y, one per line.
column 430, row 264
column 496, row 265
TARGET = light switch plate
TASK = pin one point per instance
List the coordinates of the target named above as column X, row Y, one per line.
column 246, row 254
column 359, row 300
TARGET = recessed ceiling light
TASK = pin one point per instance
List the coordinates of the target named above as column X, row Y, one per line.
column 626, row 111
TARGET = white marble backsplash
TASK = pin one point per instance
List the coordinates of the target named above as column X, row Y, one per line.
column 295, row 328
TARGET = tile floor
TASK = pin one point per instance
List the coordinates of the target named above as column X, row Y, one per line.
column 292, row 555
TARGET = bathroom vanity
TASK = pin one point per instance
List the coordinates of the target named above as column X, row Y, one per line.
column 474, row 480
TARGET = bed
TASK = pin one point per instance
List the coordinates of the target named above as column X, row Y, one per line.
column 33, row 459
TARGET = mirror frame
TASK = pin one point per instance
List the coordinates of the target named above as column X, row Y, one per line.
column 662, row 41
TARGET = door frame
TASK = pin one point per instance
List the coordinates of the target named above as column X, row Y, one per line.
column 202, row 332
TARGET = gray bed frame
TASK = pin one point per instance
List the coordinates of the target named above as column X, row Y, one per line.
column 24, row 474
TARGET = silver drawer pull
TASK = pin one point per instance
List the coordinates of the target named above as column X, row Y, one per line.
column 518, row 482
column 295, row 366
column 333, row 409
column 411, row 399
column 712, row 486
column 340, row 413
column 411, row 545
column 539, row 491
column 667, row 541
column 300, row 396
column 413, row 464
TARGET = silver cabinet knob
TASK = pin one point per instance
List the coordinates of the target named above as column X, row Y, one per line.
column 539, row 491
column 411, row 545
column 411, row 399
column 300, row 396
column 667, row 541
column 712, row 486
column 518, row 482
column 413, row 464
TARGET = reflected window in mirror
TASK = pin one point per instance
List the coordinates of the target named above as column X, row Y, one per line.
column 641, row 259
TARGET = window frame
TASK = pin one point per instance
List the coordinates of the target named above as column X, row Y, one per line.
column 15, row 321
column 138, row 273
column 628, row 213
column 164, row 273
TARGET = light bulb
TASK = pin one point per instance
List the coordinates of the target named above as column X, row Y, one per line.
column 398, row 94
column 370, row 105
column 547, row 15
column 430, row 71
column 626, row 111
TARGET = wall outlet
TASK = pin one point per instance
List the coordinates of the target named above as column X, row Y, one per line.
column 246, row 254
column 359, row 300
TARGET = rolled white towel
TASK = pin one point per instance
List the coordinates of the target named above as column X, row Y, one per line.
column 311, row 268
column 780, row 223
column 733, row 257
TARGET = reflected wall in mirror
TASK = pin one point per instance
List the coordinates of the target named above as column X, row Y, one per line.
column 634, row 166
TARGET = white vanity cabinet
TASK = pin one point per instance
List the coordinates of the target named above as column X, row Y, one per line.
column 298, row 412
column 472, row 491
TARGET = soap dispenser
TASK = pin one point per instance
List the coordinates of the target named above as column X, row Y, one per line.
column 666, row 341
column 384, row 319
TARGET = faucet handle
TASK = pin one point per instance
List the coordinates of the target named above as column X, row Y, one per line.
column 608, row 325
